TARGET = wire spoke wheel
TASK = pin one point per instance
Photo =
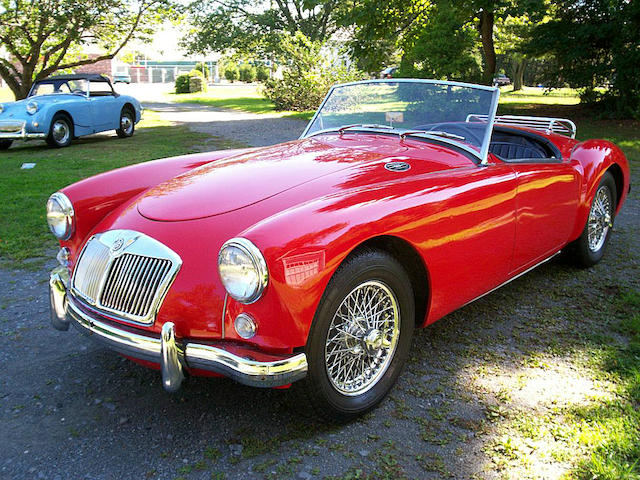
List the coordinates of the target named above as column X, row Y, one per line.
column 362, row 338
column 600, row 217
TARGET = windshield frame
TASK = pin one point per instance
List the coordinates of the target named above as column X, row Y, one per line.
column 482, row 155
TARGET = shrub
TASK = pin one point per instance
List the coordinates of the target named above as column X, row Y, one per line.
column 182, row 84
column 197, row 83
column 202, row 67
column 247, row 73
column 262, row 73
column 231, row 73
column 300, row 92
column 307, row 78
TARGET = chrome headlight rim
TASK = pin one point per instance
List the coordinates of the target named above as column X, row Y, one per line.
column 1, row 107
column 66, row 210
column 32, row 108
column 259, row 264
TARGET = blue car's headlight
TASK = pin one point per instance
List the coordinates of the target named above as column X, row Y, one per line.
column 1, row 108
column 32, row 108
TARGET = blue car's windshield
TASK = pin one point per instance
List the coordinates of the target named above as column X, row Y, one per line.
column 454, row 112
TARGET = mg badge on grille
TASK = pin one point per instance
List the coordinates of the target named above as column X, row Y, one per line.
column 117, row 245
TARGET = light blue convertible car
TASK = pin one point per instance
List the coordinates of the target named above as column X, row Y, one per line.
column 61, row 108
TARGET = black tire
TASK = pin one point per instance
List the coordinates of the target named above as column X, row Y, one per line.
column 5, row 144
column 582, row 252
column 127, row 123
column 60, row 131
column 371, row 269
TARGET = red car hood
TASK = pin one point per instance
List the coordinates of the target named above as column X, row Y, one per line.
column 230, row 184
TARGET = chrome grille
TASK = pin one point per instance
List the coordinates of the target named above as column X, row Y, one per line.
column 125, row 273
column 132, row 282
column 90, row 270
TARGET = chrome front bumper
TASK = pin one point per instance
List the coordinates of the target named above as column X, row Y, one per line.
column 17, row 130
column 173, row 355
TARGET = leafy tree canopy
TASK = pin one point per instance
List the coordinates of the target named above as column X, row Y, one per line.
column 45, row 36
column 594, row 43
column 440, row 38
column 255, row 28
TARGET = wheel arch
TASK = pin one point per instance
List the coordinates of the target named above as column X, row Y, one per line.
column 618, row 178
column 63, row 112
column 411, row 261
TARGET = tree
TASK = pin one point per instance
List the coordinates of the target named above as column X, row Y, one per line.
column 594, row 43
column 45, row 36
column 223, row 25
column 414, row 22
column 512, row 35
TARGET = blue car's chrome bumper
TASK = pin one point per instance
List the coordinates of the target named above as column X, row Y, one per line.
column 171, row 353
column 17, row 130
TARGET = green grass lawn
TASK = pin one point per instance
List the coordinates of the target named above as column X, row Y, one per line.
column 242, row 97
column 23, row 231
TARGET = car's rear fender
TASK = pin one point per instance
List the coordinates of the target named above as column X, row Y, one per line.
column 592, row 159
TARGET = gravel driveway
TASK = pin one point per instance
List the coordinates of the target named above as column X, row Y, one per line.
column 255, row 130
column 70, row 409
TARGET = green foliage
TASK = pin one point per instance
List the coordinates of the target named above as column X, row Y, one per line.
column 262, row 73
column 247, row 73
column 192, row 82
column 592, row 44
column 437, row 38
column 197, row 83
column 307, row 78
column 202, row 67
column 182, row 84
column 445, row 47
column 231, row 73
column 47, row 36
column 230, row 25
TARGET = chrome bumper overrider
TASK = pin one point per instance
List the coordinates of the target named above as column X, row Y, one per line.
column 168, row 351
column 17, row 130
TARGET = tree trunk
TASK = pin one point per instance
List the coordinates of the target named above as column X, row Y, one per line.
column 486, row 34
column 518, row 74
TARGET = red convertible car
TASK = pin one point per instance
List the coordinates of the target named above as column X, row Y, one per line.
column 310, row 263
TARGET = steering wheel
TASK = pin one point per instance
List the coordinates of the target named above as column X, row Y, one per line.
column 78, row 91
column 454, row 128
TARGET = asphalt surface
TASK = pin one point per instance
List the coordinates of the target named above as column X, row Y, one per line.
column 70, row 409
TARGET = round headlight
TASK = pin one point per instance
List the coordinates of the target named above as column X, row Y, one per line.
column 60, row 216
column 243, row 270
column 32, row 108
column 1, row 108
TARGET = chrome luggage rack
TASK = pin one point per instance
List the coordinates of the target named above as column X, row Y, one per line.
column 561, row 126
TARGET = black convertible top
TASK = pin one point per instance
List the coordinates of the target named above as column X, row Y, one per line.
column 96, row 77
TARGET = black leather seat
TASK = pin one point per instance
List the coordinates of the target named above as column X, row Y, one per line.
column 513, row 151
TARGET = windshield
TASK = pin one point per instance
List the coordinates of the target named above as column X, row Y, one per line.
column 453, row 112
column 49, row 87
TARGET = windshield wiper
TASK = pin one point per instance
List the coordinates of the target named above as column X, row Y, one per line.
column 438, row 133
column 364, row 125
